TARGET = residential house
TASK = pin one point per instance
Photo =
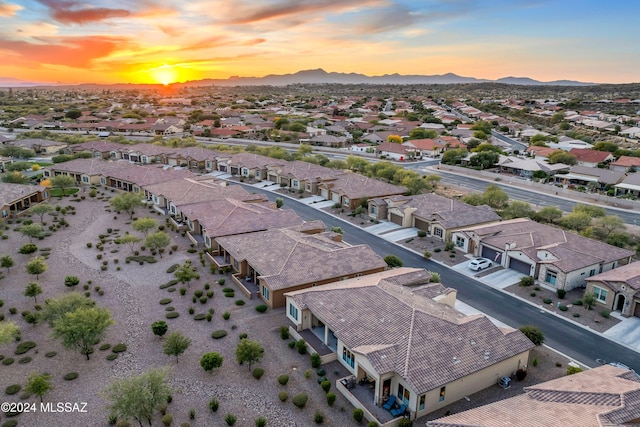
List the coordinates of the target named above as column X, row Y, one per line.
column 540, row 153
column 557, row 258
column 426, row 147
column 525, row 168
column 618, row 289
column 439, row 216
column 400, row 333
column 284, row 259
column 134, row 177
column 591, row 158
column 630, row 185
column 245, row 164
column 328, row 140
column 362, row 148
column 85, row 171
column 604, row 396
column 301, row 176
column 17, row 198
column 591, row 177
column 39, row 145
column 350, row 189
column 143, row 153
column 392, row 150
column 209, row 220
column 98, row 148
column 625, row 164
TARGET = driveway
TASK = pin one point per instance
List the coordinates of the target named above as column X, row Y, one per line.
column 496, row 276
column 397, row 235
column 626, row 332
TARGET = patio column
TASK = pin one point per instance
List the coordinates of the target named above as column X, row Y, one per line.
column 326, row 335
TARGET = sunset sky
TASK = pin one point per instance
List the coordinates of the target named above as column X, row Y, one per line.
column 163, row 41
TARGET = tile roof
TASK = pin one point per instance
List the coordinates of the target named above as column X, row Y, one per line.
column 305, row 171
column 572, row 250
column 626, row 161
column 589, row 155
column 183, row 192
column 605, row 176
column 356, row 186
column 92, row 167
column 448, row 212
column 604, row 396
column 147, row 175
column 230, row 217
column 251, row 160
column 384, row 317
column 629, row 274
column 12, row 192
column 286, row 258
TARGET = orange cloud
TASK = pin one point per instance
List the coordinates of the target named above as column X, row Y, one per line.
column 76, row 52
column 68, row 12
column 9, row 9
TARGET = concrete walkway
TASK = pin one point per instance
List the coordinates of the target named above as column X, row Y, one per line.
column 383, row 227
column 398, row 235
column 626, row 332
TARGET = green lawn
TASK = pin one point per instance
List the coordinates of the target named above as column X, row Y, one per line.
column 57, row 192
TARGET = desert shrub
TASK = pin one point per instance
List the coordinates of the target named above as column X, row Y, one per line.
column 172, row 315
column 283, row 379
column 229, row 294
column 449, row 246
column 240, row 302
column 226, row 315
column 167, row 419
column 318, row 417
column 24, row 346
column 283, row 396
column 436, row 250
column 605, row 313
column 300, row 400
column 358, row 414
column 373, row 424
column 405, row 422
column 573, row 370
column 70, row 376
column 284, row 332
column 563, row 308
column 172, row 268
column 257, row 373
column 315, row 360
column 119, row 348
column 426, row 254
column 577, row 302
column 326, row 385
column 192, row 310
column 533, row 294
column 547, row 301
column 561, row 293
column 104, row 347
column 220, row 333
column 183, row 291
column 165, row 301
column 291, row 344
column 534, row 362
column 29, row 248
column 301, row 346
column 261, row 422
column 243, row 335
column 533, row 333
column 24, row 360
column 198, row 293
column 200, row 316
column 422, row 233
column 261, row 308
column 576, row 314
column 7, row 361
column 331, row 398
column 203, row 300
column 209, row 294
column 10, row 423
column 526, row 281
column 214, row 404
column 230, row 419
column 13, row 389
column 50, row 354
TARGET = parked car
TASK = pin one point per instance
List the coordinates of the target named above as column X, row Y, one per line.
column 478, row 264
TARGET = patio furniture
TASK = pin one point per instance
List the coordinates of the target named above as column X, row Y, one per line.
column 390, row 402
column 399, row 411
column 349, row 383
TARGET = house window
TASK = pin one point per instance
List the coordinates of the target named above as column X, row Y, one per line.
column 245, row 171
column 374, row 210
column 265, row 293
column 293, row 311
column 551, row 277
column 136, row 189
column 601, row 294
column 85, row 179
column 423, row 398
column 207, row 241
column 443, row 391
column 592, row 272
column 295, row 183
column 103, row 181
column 156, row 200
column 257, row 174
column 348, row 357
column 308, row 186
column 460, row 241
column 173, row 210
column 346, row 201
column 208, row 164
column 437, row 231
column 404, row 394
column 5, row 213
column 144, row 159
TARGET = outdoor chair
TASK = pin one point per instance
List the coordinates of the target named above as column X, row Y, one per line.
column 390, row 402
column 399, row 411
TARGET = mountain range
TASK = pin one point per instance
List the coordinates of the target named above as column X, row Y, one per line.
column 320, row 76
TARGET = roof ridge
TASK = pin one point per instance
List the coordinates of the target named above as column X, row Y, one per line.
column 293, row 249
column 405, row 372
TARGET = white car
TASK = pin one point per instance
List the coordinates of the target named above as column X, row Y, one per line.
column 479, row 264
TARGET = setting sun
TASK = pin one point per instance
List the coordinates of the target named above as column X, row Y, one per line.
column 164, row 74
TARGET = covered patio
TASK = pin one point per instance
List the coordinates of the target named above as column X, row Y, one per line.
column 362, row 396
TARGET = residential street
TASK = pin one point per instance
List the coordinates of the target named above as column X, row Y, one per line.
column 576, row 342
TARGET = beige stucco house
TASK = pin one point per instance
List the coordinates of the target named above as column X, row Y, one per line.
column 618, row 289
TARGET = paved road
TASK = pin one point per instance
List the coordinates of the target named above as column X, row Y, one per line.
column 578, row 343
column 515, row 145
column 519, row 193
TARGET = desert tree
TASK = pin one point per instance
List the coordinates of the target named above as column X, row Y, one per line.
column 8, row 332
column 175, row 344
column 56, row 308
column 211, row 361
column 33, row 289
column 126, row 202
column 31, row 231
column 249, row 351
column 38, row 384
column 62, row 182
column 185, row 273
column 159, row 328
column 144, row 225
column 82, row 328
column 158, row 241
column 7, row 262
column 36, row 266
column 71, row 281
column 41, row 210
column 128, row 239
column 139, row 396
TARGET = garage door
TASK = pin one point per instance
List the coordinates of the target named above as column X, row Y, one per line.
column 636, row 312
column 335, row 197
column 422, row 225
column 396, row 219
column 324, row 193
column 491, row 254
column 520, row 266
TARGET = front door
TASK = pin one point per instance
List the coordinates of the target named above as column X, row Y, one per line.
column 620, row 303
